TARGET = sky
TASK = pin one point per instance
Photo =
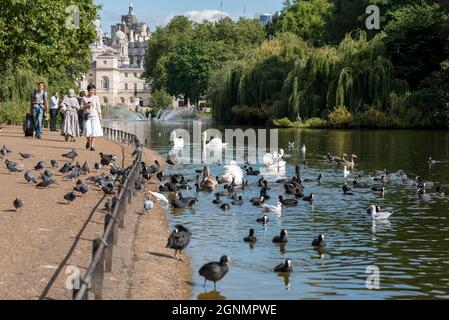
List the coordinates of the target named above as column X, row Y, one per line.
column 159, row 13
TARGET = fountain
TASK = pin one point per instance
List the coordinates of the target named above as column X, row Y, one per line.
column 170, row 114
column 122, row 113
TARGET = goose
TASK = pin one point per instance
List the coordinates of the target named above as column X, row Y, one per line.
column 376, row 214
column 264, row 219
column 271, row 208
column 350, row 163
column 215, row 271
column 346, row 172
column 284, row 267
column 233, row 174
column 209, row 182
column 177, row 142
column 281, row 238
column 319, row 241
column 250, row 237
column 215, row 143
column 288, row 202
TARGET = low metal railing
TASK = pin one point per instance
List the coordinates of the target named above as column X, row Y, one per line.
column 102, row 249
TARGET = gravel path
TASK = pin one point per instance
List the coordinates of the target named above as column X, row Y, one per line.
column 41, row 243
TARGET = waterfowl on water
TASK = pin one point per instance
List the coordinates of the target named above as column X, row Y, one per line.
column 288, row 202
column 346, row 172
column 215, row 143
column 177, row 142
column 238, row 202
column 215, row 271
column 315, row 180
column 319, row 241
column 303, row 148
column 209, row 182
column 282, row 238
column 217, row 199
column 264, row 219
column 178, row 204
column 251, row 172
column 267, row 207
column 225, row 206
column 376, row 214
column 310, row 198
column 233, row 174
column 361, row 185
column 186, row 199
column 250, row 237
column 346, row 191
column 284, row 267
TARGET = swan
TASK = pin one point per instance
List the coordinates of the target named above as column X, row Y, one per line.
column 346, row 172
column 215, row 143
column 177, row 142
column 273, row 161
column 159, row 197
column 376, row 214
column 232, row 172
column 267, row 207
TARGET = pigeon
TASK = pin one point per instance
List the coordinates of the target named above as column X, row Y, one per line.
column 107, row 188
column 81, row 188
column 29, row 177
column 70, row 197
column 48, row 174
column 6, row 149
column 106, row 159
column 12, row 166
column 18, row 203
column 45, row 183
column 66, row 168
column 71, row 155
column 137, row 150
column 54, row 163
column 85, row 168
column 97, row 166
column 40, row 165
column 148, row 204
column 25, row 155
column 110, row 203
column 72, row 175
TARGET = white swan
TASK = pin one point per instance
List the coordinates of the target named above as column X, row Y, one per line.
column 273, row 161
column 177, row 142
column 215, row 143
column 346, row 172
column 267, row 207
column 232, row 171
column 376, row 214
column 159, row 197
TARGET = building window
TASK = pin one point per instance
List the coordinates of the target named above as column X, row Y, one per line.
column 126, row 86
column 126, row 74
column 105, row 83
column 135, row 88
column 131, row 100
column 105, row 62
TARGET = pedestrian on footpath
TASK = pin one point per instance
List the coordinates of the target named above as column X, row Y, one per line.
column 54, row 104
column 70, row 107
column 39, row 108
column 92, row 117
column 81, row 111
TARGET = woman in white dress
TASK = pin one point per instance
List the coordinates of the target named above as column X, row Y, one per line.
column 92, row 117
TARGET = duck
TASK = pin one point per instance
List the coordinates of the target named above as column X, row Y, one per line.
column 217, row 199
column 215, row 143
column 288, row 202
column 264, row 219
column 267, row 207
column 177, row 142
column 319, row 241
column 238, row 202
column 360, row 185
column 187, row 199
column 233, row 174
column 310, row 198
column 347, row 191
column 215, row 271
column 376, row 214
column 251, row 172
column 284, row 267
column 250, row 237
column 281, row 238
column 315, row 180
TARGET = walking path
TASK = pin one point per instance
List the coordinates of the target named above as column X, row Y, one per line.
column 43, row 239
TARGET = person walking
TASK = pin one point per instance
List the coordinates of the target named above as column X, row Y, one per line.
column 70, row 107
column 53, row 110
column 38, row 108
column 81, row 112
column 92, row 117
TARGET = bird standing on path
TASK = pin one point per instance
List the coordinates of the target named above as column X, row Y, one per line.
column 179, row 239
column 71, row 155
column 18, row 203
column 70, row 197
column 29, row 177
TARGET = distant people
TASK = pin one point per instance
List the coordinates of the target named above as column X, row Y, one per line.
column 54, row 105
column 38, row 108
column 70, row 107
column 81, row 111
column 92, row 117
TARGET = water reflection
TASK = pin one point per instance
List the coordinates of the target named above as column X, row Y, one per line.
column 286, row 277
column 211, row 295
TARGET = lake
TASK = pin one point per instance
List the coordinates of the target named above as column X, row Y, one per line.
column 410, row 249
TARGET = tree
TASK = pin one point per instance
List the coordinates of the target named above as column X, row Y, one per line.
column 160, row 99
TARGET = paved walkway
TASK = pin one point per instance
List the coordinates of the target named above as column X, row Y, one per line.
column 40, row 242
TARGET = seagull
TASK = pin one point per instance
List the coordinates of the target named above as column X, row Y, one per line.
column 159, row 197
column 376, row 214
column 268, row 207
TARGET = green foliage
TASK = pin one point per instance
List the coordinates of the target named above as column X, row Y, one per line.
column 13, row 112
column 340, row 117
column 254, row 115
column 160, row 99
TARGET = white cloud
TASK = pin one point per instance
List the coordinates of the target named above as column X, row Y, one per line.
column 210, row 15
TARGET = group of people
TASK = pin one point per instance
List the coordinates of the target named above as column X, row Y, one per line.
column 81, row 116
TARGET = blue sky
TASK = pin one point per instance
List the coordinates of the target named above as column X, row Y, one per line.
column 159, row 12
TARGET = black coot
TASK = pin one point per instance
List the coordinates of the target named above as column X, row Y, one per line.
column 284, row 267
column 215, row 271
column 250, row 237
column 282, row 238
column 179, row 239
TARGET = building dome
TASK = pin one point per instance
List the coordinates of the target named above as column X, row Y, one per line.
column 120, row 35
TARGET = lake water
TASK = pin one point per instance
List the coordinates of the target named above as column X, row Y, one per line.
column 410, row 249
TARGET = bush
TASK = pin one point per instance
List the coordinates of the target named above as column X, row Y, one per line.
column 373, row 118
column 340, row 117
column 251, row 115
column 283, row 123
column 316, row 123
column 13, row 112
